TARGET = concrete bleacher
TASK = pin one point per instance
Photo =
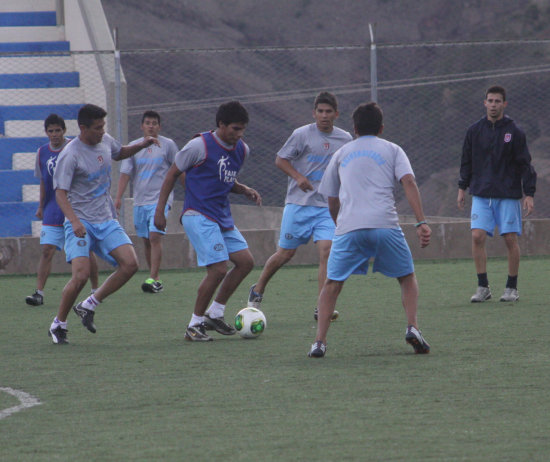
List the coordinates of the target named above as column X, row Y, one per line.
column 37, row 77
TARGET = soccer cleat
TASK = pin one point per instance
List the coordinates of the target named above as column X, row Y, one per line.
column 152, row 286
column 510, row 295
column 35, row 299
column 58, row 335
column 219, row 325
column 414, row 337
column 334, row 317
column 318, row 350
column 254, row 298
column 197, row 334
column 482, row 294
column 87, row 317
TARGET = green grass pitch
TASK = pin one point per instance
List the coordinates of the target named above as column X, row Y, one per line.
column 136, row 391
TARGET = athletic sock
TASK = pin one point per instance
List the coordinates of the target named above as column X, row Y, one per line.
column 216, row 310
column 90, row 303
column 482, row 280
column 56, row 322
column 195, row 320
column 40, row 292
column 512, row 282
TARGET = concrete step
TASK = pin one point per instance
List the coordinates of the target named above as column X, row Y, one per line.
column 31, row 192
column 27, row 5
column 32, row 34
column 33, row 128
column 23, row 161
column 16, row 97
column 32, row 65
column 40, row 80
column 27, row 18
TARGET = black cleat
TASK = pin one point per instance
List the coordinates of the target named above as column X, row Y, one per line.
column 58, row 335
column 35, row 299
column 87, row 317
column 318, row 350
column 219, row 325
column 197, row 334
column 152, row 286
column 414, row 338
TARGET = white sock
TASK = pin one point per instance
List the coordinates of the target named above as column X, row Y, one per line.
column 216, row 310
column 195, row 320
column 93, row 291
column 40, row 292
column 56, row 322
column 90, row 303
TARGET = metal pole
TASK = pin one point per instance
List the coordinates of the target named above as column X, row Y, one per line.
column 118, row 108
column 373, row 66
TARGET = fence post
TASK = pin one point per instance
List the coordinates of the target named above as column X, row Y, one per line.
column 373, row 66
column 118, row 109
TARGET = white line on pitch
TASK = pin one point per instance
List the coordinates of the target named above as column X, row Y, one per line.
column 24, row 398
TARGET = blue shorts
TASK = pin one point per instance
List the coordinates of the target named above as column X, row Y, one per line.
column 300, row 222
column 101, row 238
column 504, row 213
column 144, row 219
column 52, row 235
column 211, row 243
column 350, row 253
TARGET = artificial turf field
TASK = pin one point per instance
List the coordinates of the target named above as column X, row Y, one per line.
column 135, row 391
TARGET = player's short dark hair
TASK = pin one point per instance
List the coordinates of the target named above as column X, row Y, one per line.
column 230, row 113
column 326, row 98
column 150, row 115
column 498, row 90
column 54, row 119
column 90, row 112
column 367, row 119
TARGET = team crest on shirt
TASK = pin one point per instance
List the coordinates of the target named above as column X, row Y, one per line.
column 507, row 137
column 50, row 165
column 226, row 175
column 100, row 159
column 326, row 146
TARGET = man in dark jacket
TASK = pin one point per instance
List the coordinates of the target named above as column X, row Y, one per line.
column 496, row 166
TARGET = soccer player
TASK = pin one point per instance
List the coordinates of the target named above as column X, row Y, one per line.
column 148, row 168
column 82, row 181
column 304, row 157
column 360, row 182
column 496, row 166
column 211, row 162
column 52, row 236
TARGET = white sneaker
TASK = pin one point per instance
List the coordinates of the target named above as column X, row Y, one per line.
column 510, row 295
column 482, row 294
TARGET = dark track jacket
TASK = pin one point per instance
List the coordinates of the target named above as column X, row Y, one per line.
column 496, row 162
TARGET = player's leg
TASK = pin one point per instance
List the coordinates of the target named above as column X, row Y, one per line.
column 327, row 301
column 94, row 272
column 323, row 247
column 244, row 262
column 509, row 224
column 147, row 250
column 44, row 265
column 482, row 224
column 272, row 265
column 152, row 240
column 409, row 298
column 155, row 240
column 127, row 266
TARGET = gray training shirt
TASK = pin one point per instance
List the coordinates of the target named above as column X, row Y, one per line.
column 309, row 150
column 148, row 169
column 363, row 175
column 85, row 173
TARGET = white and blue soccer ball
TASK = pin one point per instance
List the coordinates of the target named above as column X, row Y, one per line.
column 250, row 322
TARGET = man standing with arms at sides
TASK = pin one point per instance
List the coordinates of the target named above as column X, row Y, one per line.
column 52, row 236
column 496, row 166
column 211, row 162
column 304, row 157
column 82, row 181
column 148, row 168
column 360, row 182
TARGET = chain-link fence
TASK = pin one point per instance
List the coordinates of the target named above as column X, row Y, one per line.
column 430, row 94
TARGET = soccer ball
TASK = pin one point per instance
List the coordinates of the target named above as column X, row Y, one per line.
column 250, row 322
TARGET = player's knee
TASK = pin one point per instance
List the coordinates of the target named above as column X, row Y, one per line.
column 285, row 255
column 478, row 236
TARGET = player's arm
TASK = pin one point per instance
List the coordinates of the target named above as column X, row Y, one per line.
column 412, row 194
column 63, row 201
column 252, row 194
column 333, row 207
column 465, row 171
column 122, row 183
column 301, row 180
column 167, row 186
column 40, row 210
column 131, row 149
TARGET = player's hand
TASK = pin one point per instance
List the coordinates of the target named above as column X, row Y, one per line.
column 149, row 140
column 528, row 205
column 253, row 195
column 118, row 205
column 39, row 213
column 304, row 184
column 424, row 234
column 460, row 199
column 160, row 219
column 78, row 228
